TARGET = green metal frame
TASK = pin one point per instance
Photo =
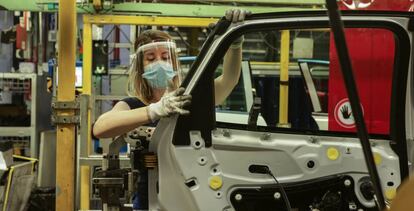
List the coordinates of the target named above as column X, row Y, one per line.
column 191, row 10
column 167, row 9
column 286, row 2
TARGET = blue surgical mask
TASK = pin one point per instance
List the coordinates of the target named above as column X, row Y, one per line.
column 158, row 74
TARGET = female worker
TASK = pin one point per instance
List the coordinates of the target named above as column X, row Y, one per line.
column 154, row 79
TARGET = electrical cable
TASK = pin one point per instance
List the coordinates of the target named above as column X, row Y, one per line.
column 282, row 190
column 125, row 35
column 80, row 38
column 110, row 32
column 106, row 37
column 182, row 39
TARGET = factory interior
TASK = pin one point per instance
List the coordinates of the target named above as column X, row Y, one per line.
column 206, row 105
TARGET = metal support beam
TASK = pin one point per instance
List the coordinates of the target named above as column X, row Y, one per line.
column 148, row 20
column 65, row 147
column 87, row 90
column 271, row 2
column 284, row 79
column 192, row 9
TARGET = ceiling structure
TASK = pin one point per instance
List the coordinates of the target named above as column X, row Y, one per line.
column 182, row 8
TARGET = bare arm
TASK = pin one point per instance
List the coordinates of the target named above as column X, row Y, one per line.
column 224, row 84
column 121, row 119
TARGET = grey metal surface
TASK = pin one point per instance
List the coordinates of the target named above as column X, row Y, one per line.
column 237, row 117
column 307, row 76
column 247, row 82
column 81, row 141
column 83, row 115
column 119, row 84
column 171, row 188
column 75, row 104
column 286, row 156
column 270, row 70
column 65, row 119
column 6, row 160
column 16, row 131
column 64, row 106
column 322, row 120
column 39, row 113
column 232, row 153
column 234, row 150
column 40, row 46
column 21, row 185
column 409, row 111
column 108, row 181
column 47, row 159
column 96, row 160
column 116, row 145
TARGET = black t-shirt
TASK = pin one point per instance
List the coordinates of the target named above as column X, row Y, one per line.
column 133, row 103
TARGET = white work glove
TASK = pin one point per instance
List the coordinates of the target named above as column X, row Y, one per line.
column 172, row 103
column 237, row 16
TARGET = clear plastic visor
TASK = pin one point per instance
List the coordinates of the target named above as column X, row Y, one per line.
column 158, row 51
column 159, row 64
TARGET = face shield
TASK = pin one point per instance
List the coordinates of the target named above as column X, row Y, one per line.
column 159, row 64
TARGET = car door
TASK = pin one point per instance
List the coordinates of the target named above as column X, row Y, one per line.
column 208, row 165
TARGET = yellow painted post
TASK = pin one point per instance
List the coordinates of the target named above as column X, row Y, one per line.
column 87, row 89
column 87, row 55
column 284, row 79
column 65, row 147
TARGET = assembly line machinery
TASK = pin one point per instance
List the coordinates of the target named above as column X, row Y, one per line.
column 75, row 115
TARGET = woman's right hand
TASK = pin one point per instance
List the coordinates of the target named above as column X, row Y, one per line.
column 172, row 103
column 236, row 15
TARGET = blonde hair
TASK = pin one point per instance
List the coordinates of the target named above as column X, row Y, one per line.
column 137, row 86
